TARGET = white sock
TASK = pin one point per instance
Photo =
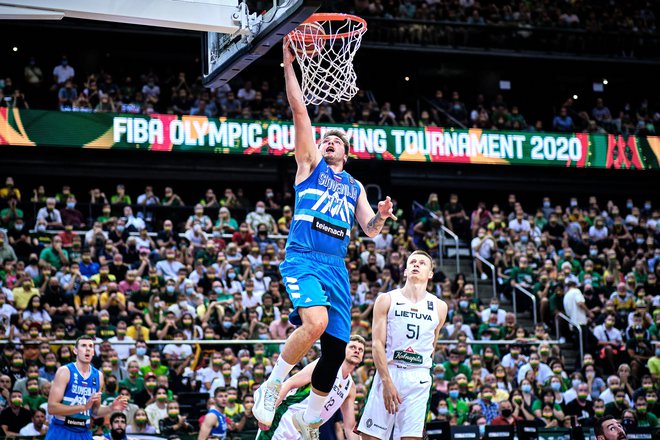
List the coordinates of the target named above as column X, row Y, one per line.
column 314, row 407
column 280, row 370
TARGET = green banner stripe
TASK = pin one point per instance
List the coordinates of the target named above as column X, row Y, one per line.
column 200, row 134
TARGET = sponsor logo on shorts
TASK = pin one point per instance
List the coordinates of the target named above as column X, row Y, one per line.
column 369, row 423
column 410, row 358
column 328, row 228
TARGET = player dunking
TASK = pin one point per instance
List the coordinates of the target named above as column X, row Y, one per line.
column 328, row 200
column 341, row 397
column 75, row 396
column 406, row 324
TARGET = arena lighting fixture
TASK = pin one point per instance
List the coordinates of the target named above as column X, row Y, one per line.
column 605, row 82
column 407, row 78
column 15, row 49
column 575, row 96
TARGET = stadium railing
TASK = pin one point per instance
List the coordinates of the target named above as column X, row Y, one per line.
column 442, row 239
column 559, row 316
column 476, row 279
column 530, row 295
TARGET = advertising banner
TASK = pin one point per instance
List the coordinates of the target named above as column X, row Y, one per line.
column 199, row 134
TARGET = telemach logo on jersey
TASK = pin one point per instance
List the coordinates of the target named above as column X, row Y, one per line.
column 409, row 356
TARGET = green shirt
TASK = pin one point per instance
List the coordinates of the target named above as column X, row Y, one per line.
column 462, row 369
column 9, row 223
column 647, row 419
column 461, row 409
column 161, row 370
column 34, row 402
column 52, row 258
column 134, row 387
column 116, row 199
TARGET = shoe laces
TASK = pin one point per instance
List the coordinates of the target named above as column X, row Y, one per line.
column 270, row 398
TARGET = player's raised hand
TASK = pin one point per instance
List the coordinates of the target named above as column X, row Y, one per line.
column 386, row 209
column 120, row 403
column 93, row 399
column 391, row 398
column 289, row 55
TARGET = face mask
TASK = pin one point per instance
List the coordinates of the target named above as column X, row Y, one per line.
column 260, row 210
column 463, row 304
column 507, row 412
column 547, row 415
column 494, row 307
column 534, row 364
column 41, row 228
column 487, row 396
column 657, row 352
column 443, row 410
column 599, row 411
column 140, row 420
column 231, row 275
column 259, row 275
column 111, row 387
column 140, row 351
column 173, row 413
column 190, row 291
column 217, row 290
column 641, row 409
column 651, row 400
column 17, row 402
column 227, row 324
column 619, row 401
column 18, row 363
column 169, row 289
column 526, row 388
column 120, row 228
column 161, row 398
column 151, row 385
column 264, row 336
column 576, row 383
column 556, row 386
column 18, row 227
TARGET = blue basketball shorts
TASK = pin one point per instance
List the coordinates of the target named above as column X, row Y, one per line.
column 315, row 279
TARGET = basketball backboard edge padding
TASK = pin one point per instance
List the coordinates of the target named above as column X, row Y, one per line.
column 241, row 52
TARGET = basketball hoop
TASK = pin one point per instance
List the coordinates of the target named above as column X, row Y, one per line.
column 325, row 45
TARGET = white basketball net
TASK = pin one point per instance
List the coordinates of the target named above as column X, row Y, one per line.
column 326, row 62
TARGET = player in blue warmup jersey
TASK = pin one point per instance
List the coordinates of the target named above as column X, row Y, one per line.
column 215, row 422
column 328, row 201
column 75, row 396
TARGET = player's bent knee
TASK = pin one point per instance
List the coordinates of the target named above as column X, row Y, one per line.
column 315, row 321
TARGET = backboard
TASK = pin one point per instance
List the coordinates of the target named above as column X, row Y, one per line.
column 225, row 55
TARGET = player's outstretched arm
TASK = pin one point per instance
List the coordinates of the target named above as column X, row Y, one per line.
column 348, row 414
column 370, row 222
column 391, row 396
column 306, row 152
column 300, row 379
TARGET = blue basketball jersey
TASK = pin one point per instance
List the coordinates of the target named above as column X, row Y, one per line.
column 77, row 392
column 220, row 430
column 324, row 212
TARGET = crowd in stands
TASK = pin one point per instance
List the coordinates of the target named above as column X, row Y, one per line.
column 592, row 15
column 148, row 94
column 134, row 269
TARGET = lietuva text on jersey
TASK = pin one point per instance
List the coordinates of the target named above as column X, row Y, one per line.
column 324, row 212
column 411, row 330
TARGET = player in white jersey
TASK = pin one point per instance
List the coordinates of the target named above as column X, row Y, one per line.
column 294, row 396
column 405, row 331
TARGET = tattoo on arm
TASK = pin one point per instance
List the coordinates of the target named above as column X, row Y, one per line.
column 375, row 224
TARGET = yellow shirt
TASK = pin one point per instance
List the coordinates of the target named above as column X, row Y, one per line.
column 132, row 332
column 105, row 299
column 22, row 296
column 654, row 365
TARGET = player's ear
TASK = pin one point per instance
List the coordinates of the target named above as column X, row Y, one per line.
column 405, row 272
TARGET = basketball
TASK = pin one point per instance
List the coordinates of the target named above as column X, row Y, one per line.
column 308, row 39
